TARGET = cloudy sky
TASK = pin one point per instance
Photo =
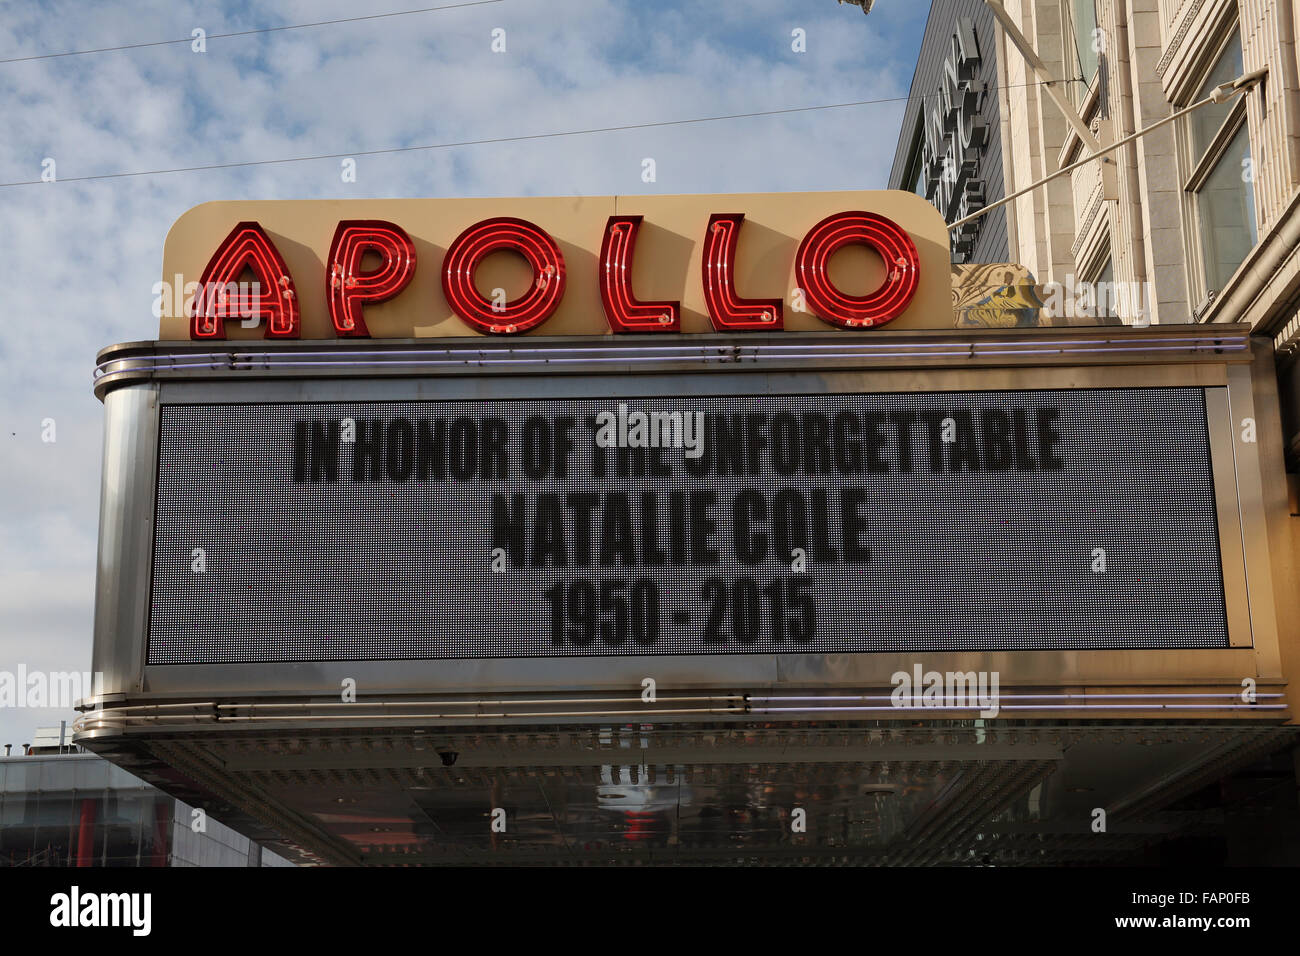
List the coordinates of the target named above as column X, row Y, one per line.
column 79, row 258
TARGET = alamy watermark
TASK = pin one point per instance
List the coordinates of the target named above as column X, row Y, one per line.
column 638, row 429
column 1091, row 300
column 181, row 299
column 74, row 908
column 36, row 688
column 952, row 690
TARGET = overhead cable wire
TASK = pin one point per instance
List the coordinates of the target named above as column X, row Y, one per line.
column 245, row 33
column 523, row 137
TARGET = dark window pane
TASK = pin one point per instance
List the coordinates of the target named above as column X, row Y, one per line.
column 156, row 833
column 1084, row 13
column 1107, row 297
column 1207, row 120
column 1226, row 204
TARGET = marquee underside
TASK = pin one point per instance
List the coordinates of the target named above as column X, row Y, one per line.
column 931, row 793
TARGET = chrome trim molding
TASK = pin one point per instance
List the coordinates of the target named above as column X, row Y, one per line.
column 145, row 361
column 259, row 715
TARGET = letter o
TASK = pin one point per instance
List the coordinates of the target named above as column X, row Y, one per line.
column 884, row 236
column 493, row 235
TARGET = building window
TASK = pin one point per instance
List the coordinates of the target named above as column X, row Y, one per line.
column 1206, row 121
column 1081, row 55
column 1223, row 199
column 1225, row 206
column 1110, row 299
column 1099, row 298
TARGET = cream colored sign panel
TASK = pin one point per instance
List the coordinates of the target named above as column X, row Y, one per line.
column 666, row 265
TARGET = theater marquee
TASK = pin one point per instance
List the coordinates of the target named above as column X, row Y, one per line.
column 657, row 265
column 723, row 441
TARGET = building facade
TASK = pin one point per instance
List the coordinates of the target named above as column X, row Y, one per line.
column 1198, row 214
column 1191, row 222
column 80, row 810
column 951, row 142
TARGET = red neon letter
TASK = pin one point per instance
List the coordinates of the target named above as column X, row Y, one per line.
column 888, row 239
column 727, row 311
column 221, row 296
column 347, row 287
column 477, row 243
column 625, row 312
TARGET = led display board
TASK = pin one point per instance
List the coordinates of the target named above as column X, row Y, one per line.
column 727, row 524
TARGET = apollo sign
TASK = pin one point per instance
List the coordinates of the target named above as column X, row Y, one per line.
column 349, row 285
column 851, row 261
